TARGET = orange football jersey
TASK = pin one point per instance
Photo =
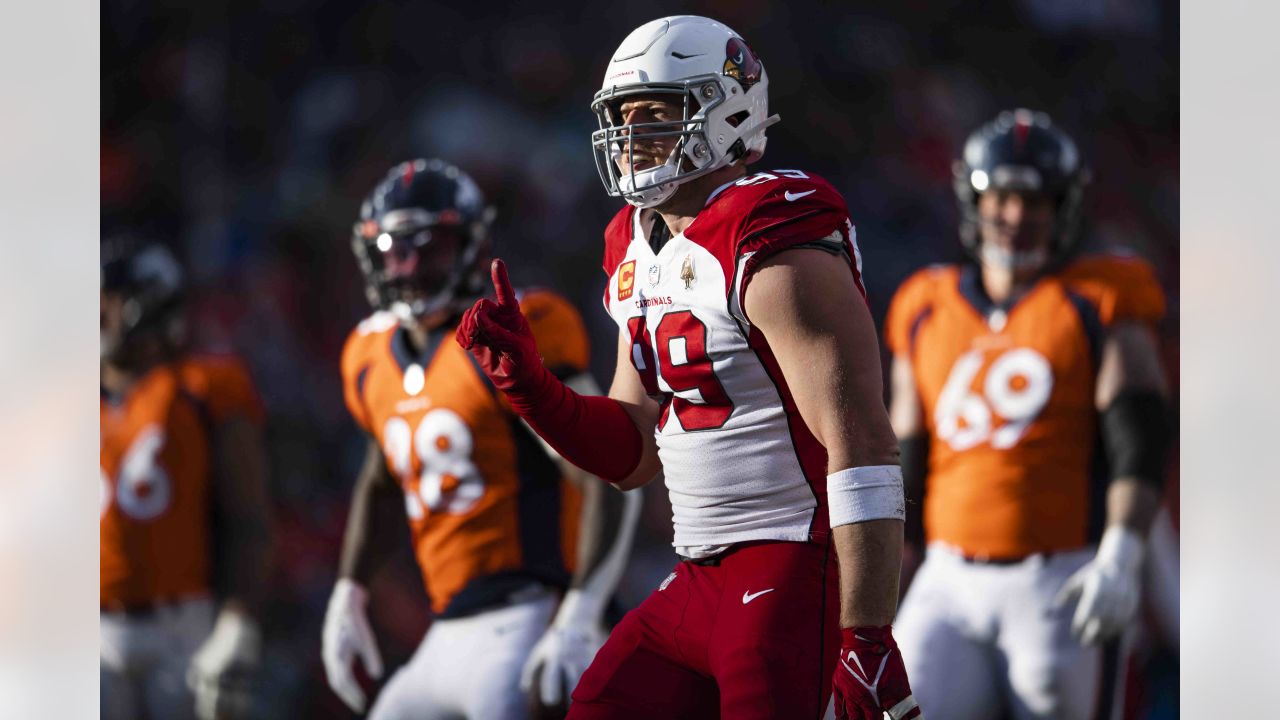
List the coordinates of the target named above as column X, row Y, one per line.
column 488, row 509
column 156, row 456
column 1008, row 394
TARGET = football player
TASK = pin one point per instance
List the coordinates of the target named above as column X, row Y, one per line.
column 500, row 525
column 748, row 372
column 184, row 510
column 1005, row 369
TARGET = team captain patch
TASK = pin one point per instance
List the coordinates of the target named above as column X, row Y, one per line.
column 626, row 279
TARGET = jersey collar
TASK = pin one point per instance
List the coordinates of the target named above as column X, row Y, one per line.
column 402, row 348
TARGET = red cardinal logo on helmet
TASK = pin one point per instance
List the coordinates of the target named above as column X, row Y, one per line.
column 741, row 64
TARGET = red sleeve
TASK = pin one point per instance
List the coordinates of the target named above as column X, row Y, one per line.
column 617, row 236
column 787, row 211
column 1123, row 287
column 791, row 211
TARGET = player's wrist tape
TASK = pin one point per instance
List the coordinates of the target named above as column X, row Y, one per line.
column 866, row 493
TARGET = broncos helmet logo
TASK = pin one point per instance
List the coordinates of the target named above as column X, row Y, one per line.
column 741, row 64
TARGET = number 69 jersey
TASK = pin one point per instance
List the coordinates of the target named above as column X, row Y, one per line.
column 739, row 462
column 1008, row 395
column 488, row 509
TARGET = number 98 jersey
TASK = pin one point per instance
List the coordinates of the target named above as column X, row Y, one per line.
column 489, row 511
column 1008, row 395
column 739, row 462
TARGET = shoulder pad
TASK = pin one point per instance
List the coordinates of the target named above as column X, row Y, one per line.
column 913, row 300
column 378, row 322
column 1121, row 285
column 558, row 329
column 221, row 381
column 764, row 201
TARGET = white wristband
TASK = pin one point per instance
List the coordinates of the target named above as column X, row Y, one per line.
column 865, row 493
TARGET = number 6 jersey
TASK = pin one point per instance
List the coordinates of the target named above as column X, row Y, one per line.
column 487, row 507
column 157, row 454
column 1008, row 395
column 739, row 462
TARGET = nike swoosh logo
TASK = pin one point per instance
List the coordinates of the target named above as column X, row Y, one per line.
column 792, row 197
column 749, row 596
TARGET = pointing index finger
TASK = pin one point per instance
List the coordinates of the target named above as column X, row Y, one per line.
column 502, row 284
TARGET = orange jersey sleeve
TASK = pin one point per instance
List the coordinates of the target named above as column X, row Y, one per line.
column 911, row 303
column 1122, row 287
column 357, row 357
column 559, row 330
column 224, row 386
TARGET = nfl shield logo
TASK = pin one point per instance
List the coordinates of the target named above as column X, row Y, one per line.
column 654, row 273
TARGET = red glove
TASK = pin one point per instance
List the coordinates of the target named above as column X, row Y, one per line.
column 499, row 338
column 594, row 433
column 870, row 678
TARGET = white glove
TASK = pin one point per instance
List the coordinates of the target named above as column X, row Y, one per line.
column 220, row 669
column 347, row 635
column 565, row 650
column 1107, row 587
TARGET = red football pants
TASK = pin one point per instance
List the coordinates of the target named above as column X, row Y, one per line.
column 753, row 637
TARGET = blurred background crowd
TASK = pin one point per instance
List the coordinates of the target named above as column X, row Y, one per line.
column 245, row 135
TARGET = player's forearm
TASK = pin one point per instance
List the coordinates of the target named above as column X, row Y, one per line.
column 869, row 551
column 598, row 523
column 604, row 545
column 595, row 433
column 245, row 559
column 1133, row 504
column 870, row 557
column 372, row 523
column 244, row 525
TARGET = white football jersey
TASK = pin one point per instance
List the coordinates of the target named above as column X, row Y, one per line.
column 739, row 462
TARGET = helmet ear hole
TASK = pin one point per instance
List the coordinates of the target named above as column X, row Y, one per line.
column 736, row 119
column 737, row 150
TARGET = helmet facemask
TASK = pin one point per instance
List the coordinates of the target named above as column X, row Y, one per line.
column 707, row 71
column 691, row 155
column 1020, row 151
column 420, row 268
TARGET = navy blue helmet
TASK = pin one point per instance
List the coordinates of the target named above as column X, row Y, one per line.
column 422, row 239
column 1024, row 151
column 149, row 283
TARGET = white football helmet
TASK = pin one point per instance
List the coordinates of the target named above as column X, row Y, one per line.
column 708, row 69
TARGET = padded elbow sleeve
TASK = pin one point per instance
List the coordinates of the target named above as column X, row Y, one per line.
column 1136, row 432
column 914, row 452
